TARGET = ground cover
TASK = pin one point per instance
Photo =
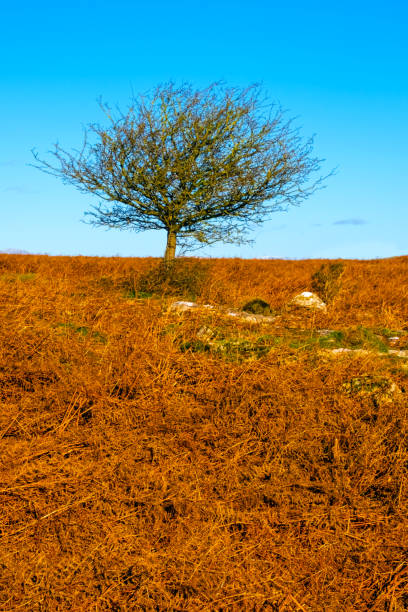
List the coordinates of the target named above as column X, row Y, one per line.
column 150, row 460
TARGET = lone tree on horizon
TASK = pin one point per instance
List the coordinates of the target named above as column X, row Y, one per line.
column 203, row 165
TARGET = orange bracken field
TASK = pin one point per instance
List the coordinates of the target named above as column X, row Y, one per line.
column 146, row 466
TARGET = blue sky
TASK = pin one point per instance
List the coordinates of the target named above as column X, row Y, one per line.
column 339, row 67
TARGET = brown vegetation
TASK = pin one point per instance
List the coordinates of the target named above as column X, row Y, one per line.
column 138, row 476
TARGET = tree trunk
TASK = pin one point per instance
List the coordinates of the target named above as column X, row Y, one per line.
column 170, row 253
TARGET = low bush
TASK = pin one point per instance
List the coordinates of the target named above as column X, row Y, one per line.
column 183, row 277
column 257, row 306
column 326, row 281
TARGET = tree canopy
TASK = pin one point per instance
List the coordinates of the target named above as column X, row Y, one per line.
column 203, row 165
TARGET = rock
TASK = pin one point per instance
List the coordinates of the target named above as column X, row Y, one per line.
column 403, row 354
column 251, row 318
column 309, row 300
column 337, row 352
column 205, row 333
column 382, row 390
column 325, row 332
column 362, row 352
column 184, row 306
column 238, row 314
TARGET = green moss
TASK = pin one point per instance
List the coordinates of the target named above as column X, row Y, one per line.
column 132, row 294
column 333, row 340
column 247, row 345
column 232, row 349
column 379, row 389
column 365, row 338
column 144, row 295
column 195, row 346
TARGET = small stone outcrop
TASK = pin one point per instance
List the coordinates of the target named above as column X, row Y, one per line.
column 250, row 318
column 181, row 307
column 185, row 306
column 308, row 300
column 381, row 390
column 206, row 334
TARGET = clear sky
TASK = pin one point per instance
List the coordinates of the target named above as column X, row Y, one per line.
column 340, row 67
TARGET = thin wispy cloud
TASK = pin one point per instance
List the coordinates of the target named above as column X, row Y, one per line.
column 350, row 222
column 19, row 189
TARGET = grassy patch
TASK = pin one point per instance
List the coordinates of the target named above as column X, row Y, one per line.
column 230, row 350
column 12, row 278
column 353, row 338
column 195, row 346
column 366, row 338
column 83, row 331
column 379, row 389
column 248, row 345
column 133, row 294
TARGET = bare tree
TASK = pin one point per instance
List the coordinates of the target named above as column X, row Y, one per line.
column 204, row 166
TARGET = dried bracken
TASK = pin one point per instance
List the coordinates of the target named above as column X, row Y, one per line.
column 138, row 476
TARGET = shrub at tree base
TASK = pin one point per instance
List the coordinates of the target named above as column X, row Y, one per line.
column 182, row 277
